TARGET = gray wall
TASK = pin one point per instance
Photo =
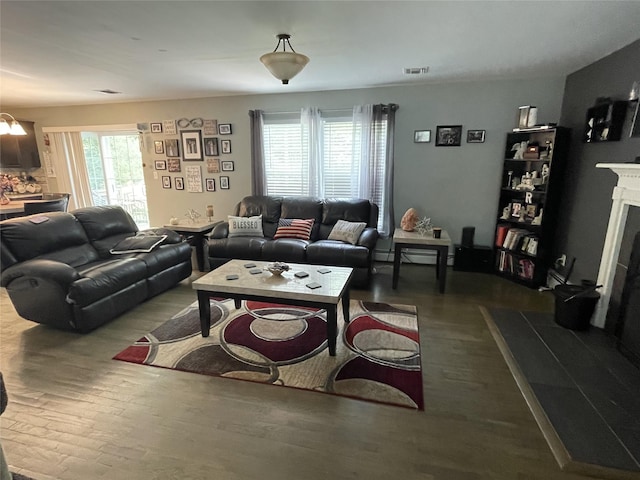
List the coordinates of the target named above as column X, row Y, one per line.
column 455, row 186
column 585, row 212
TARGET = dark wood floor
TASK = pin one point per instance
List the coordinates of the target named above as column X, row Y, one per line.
column 75, row 413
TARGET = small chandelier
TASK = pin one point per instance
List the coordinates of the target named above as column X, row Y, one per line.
column 14, row 129
column 284, row 65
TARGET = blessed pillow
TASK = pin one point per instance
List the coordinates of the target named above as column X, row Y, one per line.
column 138, row 244
column 245, row 226
column 347, row 231
column 294, row 228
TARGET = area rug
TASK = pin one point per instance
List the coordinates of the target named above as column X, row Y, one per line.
column 377, row 354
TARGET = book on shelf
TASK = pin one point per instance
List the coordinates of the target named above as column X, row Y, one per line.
column 525, row 268
column 513, row 238
column 501, row 233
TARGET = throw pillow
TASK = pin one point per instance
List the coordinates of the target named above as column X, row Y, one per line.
column 294, row 228
column 138, row 244
column 245, row 226
column 347, row 231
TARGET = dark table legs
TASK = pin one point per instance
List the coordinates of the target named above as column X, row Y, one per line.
column 441, row 263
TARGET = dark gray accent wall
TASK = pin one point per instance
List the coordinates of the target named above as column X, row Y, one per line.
column 585, row 213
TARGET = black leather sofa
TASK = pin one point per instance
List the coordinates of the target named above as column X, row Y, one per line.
column 318, row 250
column 58, row 269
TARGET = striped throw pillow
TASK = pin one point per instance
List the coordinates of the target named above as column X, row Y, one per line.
column 294, row 228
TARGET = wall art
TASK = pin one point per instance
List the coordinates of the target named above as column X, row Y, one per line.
column 422, row 136
column 179, row 183
column 172, row 147
column 158, row 146
column 226, row 146
column 169, row 127
column 213, row 165
column 160, row 164
column 156, row 128
column 211, row 184
column 194, row 178
column 227, row 166
column 448, row 135
column 166, row 182
column 173, row 164
column 210, row 127
column 211, row 146
column 224, row 183
column 191, row 144
column 475, row 136
column 224, row 129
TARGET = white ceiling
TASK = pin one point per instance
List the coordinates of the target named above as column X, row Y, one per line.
column 60, row 53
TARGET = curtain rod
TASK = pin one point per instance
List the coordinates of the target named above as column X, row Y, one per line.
column 346, row 109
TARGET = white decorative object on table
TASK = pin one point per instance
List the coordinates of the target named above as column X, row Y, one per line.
column 277, row 268
column 424, row 226
column 192, row 215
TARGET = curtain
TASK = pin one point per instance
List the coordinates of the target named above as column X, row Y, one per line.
column 67, row 155
column 388, row 218
column 311, row 124
column 258, row 177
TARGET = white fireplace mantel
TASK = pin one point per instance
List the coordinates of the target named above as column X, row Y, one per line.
column 625, row 194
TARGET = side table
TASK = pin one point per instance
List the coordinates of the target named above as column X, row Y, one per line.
column 197, row 230
column 402, row 239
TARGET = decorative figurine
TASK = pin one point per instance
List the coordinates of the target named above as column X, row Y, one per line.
column 506, row 212
column 519, row 148
column 409, row 220
column 537, row 220
column 424, row 226
column 192, row 215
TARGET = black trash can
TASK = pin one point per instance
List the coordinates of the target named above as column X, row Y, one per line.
column 575, row 305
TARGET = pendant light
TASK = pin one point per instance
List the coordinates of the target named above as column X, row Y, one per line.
column 284, row 65
column 12, row 129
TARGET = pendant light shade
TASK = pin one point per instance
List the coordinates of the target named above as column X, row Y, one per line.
column 12, row 129
column 284, row 65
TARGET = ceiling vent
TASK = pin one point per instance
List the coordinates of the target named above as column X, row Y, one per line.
column 108, row 91
column 415, row 70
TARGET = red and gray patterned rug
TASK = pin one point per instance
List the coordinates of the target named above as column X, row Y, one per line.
column 377, row 355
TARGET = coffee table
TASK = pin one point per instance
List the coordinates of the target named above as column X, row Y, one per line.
column 286, row 289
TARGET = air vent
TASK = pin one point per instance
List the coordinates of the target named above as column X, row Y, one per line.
column 108, row 91
column 416, row 70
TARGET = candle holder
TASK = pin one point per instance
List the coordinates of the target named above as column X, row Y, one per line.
column 210, row 212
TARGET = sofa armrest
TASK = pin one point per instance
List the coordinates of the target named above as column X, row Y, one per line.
column 368, row 238
column 50, row 270
column 221, row 230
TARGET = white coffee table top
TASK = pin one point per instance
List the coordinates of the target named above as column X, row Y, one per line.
column 400, row 236
column 187, row 226
column 287, row 285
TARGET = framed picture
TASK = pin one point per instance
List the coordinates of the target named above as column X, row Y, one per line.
column 226, row 146
column 160, row 164
column 530, row 212
column 172, row 148
column 210, row 127
column 169, row 127
column 156, row 128
column 179, row 183
column 517, row 209
column 191, row 144
column 210, row 184
column 227, row 166
column 475, row 136
column 158, row 146
column 211, row 147
column 422, row 136
column 224, row 129
column 173, row 164
column 194, row 178
column 166, row 182
column 448, row 135
column 224, row 183
column 213, row 165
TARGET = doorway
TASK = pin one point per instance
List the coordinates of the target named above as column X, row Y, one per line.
column 114, row 168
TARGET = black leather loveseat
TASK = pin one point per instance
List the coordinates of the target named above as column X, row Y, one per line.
column 318, row 250
column 59, row 270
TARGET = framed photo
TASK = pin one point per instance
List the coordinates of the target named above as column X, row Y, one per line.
column 224, row 129
column 173, row 164
column 531, row 210
column 227, row 166
column 172, row 148
column 160, row 164
column 210, row 127
column 210, row 184
column 422, row 136
column 224, row 183
column 158, row 146
column 517, row 209
column 211, row 147
column 169, row 127
column 194, row 178
column 179, row 183
column 475, row 136
column 191, row 144
column 156, row 128
column 166, row 182
column 448, row 135
column 226, row 146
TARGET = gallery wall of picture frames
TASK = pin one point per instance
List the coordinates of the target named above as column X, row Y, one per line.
column 448, row 136
column 179, row 145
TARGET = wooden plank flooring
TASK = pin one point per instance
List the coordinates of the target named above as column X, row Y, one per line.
column 76, row 414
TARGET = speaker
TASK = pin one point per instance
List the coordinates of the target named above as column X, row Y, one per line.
column 467, row 236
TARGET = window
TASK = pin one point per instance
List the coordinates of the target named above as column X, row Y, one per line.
column 329, row 156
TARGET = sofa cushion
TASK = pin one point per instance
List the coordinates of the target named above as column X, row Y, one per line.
column 138, row 244
column 303, row 207
column 106, row 226
column 331, row 252
column 284, row 250
column 245, row 226
column 294, row 228
column 237, row 247
column 347, row 231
